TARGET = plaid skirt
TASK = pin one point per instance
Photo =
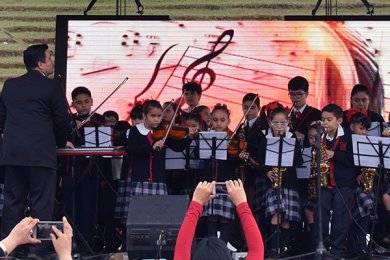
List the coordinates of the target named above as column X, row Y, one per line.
column 363, row 203
column 126, row 189
column 290, row 207
column 221, row 206
column 260, row 191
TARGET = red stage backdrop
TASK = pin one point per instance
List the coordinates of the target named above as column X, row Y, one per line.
column 228, row 59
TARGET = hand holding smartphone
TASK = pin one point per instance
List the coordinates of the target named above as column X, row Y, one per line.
column 43, row 229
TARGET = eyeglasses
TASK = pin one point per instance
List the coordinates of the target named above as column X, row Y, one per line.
column 296, row 94
column 277, row 123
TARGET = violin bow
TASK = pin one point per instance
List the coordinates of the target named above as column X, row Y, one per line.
column 173, row 119
column 101, row 104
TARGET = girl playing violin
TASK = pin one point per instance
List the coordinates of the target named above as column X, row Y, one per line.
column 220, row 211
column 147, row 155
column 289, row 207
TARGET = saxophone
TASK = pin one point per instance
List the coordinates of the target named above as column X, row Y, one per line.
column 278, row 177
column 324, row 165
column 312, row 187
column 368, row 179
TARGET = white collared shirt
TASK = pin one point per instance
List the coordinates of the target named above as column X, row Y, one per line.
column 251, row 122
column 142, row 129
column 300, row 110
column 340, row 132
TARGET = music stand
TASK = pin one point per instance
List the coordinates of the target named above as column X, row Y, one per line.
column 279, row 153
column 374, row 152
column 184, row 160
column 213, row 146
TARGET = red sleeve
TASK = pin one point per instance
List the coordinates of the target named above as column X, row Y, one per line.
column 252, row 233
column 187, row 232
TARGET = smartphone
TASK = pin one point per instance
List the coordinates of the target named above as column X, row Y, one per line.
column 43, row 229
column 220, row 189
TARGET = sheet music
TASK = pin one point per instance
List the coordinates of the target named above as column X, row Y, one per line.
column 366, row 148
column 375, row 129
column 103, row 135
column 272, row 152
column 176, row 160
column 205, row 144
column 303, row 172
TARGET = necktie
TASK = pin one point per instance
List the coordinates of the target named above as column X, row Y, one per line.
column 298, row 114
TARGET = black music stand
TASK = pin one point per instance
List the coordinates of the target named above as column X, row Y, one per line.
column 184, row 160
column 374, row 152
column 213, row 146
column 279, row 153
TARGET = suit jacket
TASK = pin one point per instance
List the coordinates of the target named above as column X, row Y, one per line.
column 33, row 120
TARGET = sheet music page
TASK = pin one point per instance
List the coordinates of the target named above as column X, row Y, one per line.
column 366, row 148
column 104, row 136
column 205, row 144
column 177, row 160
column 375, row 129
column 272, row 152
column 303, row 171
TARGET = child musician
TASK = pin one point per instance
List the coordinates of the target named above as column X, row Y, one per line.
column 363, row 207
column 288, row 208
column 302, row 114
column 148, row 154
column 85, row 178
column 220, row 211
column 337, row 196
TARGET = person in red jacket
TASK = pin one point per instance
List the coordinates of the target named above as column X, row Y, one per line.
column 212, row 247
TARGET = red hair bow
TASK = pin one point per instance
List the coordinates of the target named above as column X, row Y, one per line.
column 352, row 112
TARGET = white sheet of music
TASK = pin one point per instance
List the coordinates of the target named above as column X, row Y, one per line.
column 176, row 160
column 366, row 148
column 104, row 136
column 272, row 152
column 375, row 129
column 303, row 171
column 205, row 144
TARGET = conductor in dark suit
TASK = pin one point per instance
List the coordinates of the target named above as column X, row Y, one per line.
column 33, row 121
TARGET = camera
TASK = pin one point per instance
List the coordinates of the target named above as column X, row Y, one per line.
column 43, row 229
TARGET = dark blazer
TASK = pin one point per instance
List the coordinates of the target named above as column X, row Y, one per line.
column 34, row 120
column 302, row 124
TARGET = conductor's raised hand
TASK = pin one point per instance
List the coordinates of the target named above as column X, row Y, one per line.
column 236, row 191
column 203, row 192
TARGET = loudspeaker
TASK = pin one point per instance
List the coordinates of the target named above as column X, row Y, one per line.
column 153, row 223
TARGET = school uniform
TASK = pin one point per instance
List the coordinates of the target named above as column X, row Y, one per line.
column 338, row 196
column 147, row 166
column 289, row 197
column 303, row 117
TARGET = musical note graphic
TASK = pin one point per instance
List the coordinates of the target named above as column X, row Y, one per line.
column 207, row 58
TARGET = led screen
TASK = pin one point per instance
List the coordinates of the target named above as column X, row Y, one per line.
column 228, row 59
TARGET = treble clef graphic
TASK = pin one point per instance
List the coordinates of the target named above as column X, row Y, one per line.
column 207, row 58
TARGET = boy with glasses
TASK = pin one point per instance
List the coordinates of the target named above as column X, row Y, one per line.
column 302, row 114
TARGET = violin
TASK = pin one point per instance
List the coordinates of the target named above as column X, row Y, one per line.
column 176, row 132
column 91, row 121
column 235, row 146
